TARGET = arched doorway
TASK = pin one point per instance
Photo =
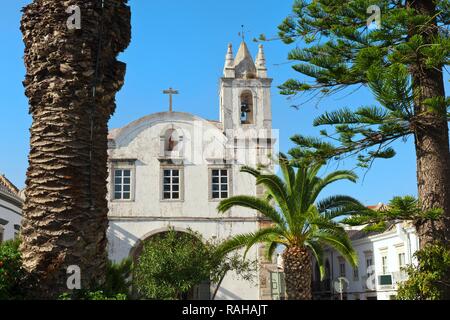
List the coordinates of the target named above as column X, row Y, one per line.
column 201, row 291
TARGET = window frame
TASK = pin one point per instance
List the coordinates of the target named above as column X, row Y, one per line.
column 229, row 183
column 180, row 183
column 384, row 264
column 342, row 269
column 369, row 258
column 125, row 165
column 355, row 274
column 399, row 255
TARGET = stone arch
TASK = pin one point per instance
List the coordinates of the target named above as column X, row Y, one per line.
column 141, row 241
column 247, row 106
column 171, row 139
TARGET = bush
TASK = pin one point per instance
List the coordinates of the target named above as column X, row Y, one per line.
column 118, row 278
column 170, row 265
column 11, row 272
column 430, row 279
column 91, row 295
column 117, row 286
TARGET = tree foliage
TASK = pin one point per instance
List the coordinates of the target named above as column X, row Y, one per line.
column 245, row 269
column 430, row 279
column 118, row 278
column 11, row 271
column 299, row 219
column 172, row 263
column 399, row 209
column 340, row 50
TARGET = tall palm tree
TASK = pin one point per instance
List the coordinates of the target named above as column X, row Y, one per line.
column 300, row 224
column 71, row 81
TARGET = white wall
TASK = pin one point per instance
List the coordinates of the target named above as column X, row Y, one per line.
column 401, row 238
column 124, row 235
column 10, row 210
column 147, row 213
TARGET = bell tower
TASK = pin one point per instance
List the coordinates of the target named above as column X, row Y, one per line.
column 245, row 109
column 245, row 101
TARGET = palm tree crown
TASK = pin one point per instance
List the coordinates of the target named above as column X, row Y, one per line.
column 298, row 220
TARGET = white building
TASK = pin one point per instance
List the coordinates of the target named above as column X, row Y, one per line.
column 171, row 169
column 10, row 210
column 381, row 257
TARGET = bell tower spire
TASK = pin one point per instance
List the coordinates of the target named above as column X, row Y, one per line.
column 245, row 100
column 229, row 70
column 261, row 68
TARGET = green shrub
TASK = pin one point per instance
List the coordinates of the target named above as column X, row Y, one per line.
column 430, row 280
column 170, row 265
column 11, row 272
column 118, row 278
column 91, row 295
column 117, row 285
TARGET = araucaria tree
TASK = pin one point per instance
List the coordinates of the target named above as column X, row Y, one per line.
column 71, row 81
column 402, row 62
column 300, row 224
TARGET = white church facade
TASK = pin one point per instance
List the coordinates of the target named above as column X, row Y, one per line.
column 10, row 210
column 171, row 170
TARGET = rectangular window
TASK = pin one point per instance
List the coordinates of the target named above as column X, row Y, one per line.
column 355, row 274
column 342, row 269
column 369, row 266
column 220, row 183
column 171, row 184
column 401, row 260
column 122, row 184
column 384, row 264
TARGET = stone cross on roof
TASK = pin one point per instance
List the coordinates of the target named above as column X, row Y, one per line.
column 171, row 92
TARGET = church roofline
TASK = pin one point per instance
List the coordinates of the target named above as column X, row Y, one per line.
column 157, row 118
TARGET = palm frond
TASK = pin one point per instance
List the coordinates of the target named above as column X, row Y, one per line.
column 339, row 241
column 270, row 247
column 261, row 205
column 339, row 205
column 317, row 251
column 288, row 173
column 331, row 178
column 248, row 240
column 250, row 170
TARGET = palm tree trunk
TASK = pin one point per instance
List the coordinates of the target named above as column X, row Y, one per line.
column 65, row 212
column 431, row 136
column 298, row 273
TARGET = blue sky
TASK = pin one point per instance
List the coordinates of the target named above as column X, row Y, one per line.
column 182, row 44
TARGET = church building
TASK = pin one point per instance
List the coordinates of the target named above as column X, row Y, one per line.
column 171, row 170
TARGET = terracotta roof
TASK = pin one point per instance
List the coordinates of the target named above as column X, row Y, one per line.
column 8, row 186
column 378, row 207
column 355, row 234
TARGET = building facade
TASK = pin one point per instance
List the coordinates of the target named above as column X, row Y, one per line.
column 381, row 258
column 171, row 170
column 10, row 210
